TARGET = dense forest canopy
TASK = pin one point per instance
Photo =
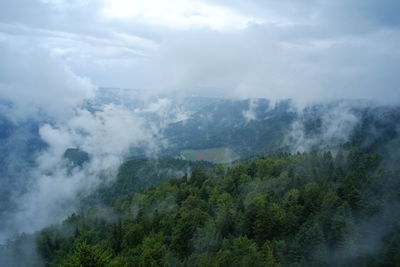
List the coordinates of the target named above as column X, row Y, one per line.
column 308, row 209
column 332, row 205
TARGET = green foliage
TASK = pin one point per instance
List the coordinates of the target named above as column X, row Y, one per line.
column 215, row 155
column 284, row 210
column 76, row 156
column 138, row 174
column 223, row 125
column 85, row 255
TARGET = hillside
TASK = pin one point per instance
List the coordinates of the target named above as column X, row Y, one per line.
column 246, row 126
column 310, row 210
column 335, row 204
column 199, row 133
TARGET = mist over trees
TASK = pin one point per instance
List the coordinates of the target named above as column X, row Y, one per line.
column 199, row 133
column 334, row 205
column 305, row 209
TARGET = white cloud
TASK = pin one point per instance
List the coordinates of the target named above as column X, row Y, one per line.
column 42, row 90
column 250, row 114
column 180, row 14
column 337, row 125
column 36, row 83
column 106, row 135
column 273, row 49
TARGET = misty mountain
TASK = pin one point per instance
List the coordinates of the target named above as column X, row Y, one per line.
column 306, row 209
column 138, row 100
column 27, row 144
column 136, row 175
column 256, row 127
column 199, row 133
column 20, row 144
column 76, row 157
column 249, row 127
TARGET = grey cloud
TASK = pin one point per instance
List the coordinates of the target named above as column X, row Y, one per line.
column 34, row 83
column 336, row 126
column 107, row 135
column 305, row 50
column 41, row 90
column 256, row 62
column 341, row 16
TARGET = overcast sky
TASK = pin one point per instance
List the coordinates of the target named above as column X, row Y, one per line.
column 307, row 50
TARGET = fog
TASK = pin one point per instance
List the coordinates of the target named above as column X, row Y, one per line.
column 273, row 49
column 55, row 55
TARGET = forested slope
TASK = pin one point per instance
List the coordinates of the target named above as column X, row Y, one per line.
column 310, row 209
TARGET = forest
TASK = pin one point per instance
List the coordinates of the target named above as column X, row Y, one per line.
column 199, row 133
column 323, row 207
column 310, row 209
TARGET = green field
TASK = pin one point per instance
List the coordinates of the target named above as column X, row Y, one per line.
column 215, row 155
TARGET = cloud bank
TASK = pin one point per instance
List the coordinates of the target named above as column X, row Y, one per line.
column 307, row 51
column 47, row 103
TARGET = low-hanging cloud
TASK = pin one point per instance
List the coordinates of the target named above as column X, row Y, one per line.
column 106, row 135
column 37, row 84
column 40, row 90
column 259, row 62
column 322, row 127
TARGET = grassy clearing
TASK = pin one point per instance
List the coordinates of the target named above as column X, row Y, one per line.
column 215, row 155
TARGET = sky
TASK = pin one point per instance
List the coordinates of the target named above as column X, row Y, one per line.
column 305, row 50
